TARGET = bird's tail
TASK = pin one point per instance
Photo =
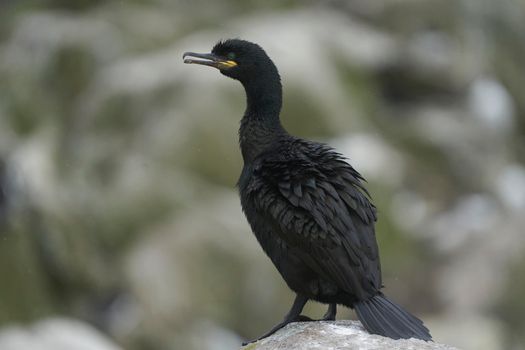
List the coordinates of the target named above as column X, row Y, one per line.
column 381, row 316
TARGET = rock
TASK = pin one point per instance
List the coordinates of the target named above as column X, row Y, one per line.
column 55, row 334
column 336, row 335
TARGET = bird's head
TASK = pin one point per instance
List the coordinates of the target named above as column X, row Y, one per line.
column 235, row 58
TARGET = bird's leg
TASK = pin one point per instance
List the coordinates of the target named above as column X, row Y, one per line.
column 328, row 316
column 291, row 316
column 330, row 313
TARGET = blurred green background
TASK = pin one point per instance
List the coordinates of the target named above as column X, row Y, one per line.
column 120, row 225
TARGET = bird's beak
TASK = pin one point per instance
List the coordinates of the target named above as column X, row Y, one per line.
column 208, row 59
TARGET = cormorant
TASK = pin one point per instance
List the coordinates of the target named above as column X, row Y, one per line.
column 307, row 207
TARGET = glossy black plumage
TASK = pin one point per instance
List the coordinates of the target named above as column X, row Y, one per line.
column 305, row 203
column 307, row 207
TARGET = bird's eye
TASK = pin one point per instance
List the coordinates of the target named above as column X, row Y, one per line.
column 231, row 56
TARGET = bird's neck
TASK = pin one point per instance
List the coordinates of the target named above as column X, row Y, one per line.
column 261, row 127
column 264, row 97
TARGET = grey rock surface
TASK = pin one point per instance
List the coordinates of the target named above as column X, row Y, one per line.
column 337, row 335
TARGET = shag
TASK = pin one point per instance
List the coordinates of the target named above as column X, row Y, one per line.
column 307, row 207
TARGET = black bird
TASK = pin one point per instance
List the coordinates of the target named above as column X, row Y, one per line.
column 307, row 207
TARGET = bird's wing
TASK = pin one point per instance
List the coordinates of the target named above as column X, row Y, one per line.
column 316, row 202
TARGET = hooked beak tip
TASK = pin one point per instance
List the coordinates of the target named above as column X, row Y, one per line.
column 208, row 59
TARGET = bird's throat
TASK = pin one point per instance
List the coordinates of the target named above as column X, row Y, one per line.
column 261, row 126
column 264, row 97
